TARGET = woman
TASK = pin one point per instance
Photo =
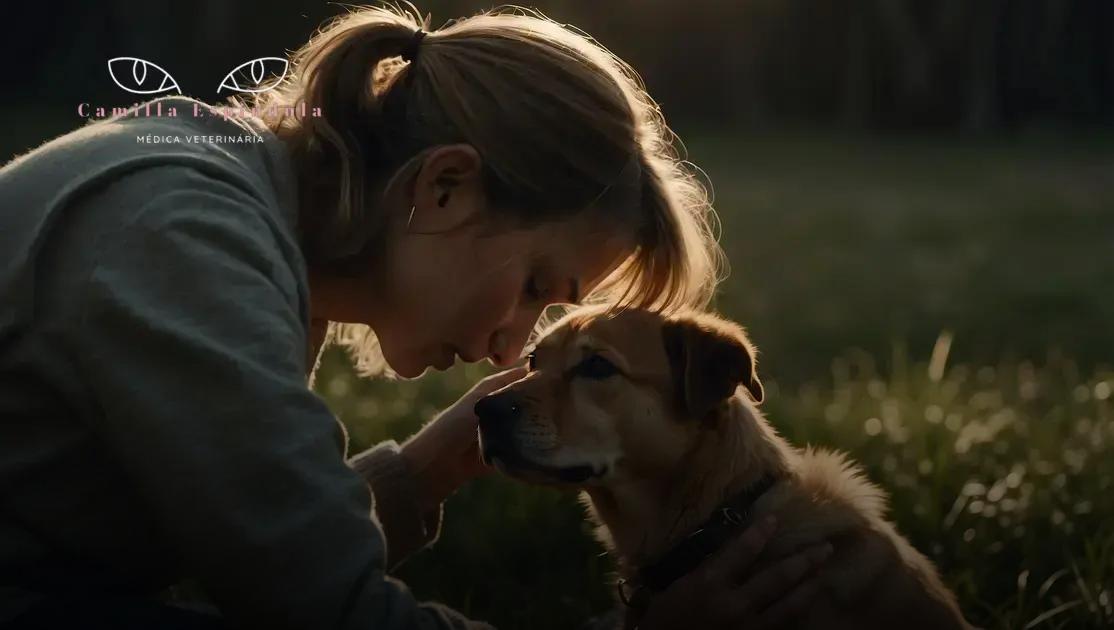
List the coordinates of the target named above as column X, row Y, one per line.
column 161, row 304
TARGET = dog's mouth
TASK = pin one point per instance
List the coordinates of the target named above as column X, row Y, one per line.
column 512, row 463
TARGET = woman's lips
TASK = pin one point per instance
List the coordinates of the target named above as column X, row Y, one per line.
column 466, row 358
column 447, row 358
column 449, row 354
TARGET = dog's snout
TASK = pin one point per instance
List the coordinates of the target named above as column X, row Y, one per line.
column 498, row 409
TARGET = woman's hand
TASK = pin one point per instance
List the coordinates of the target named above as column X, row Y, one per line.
column 445, row 454
column 715, row 595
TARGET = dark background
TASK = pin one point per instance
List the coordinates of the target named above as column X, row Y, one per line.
column 917, row 198
column 991, row 65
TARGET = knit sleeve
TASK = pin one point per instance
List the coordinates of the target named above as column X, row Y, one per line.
column 407, row 528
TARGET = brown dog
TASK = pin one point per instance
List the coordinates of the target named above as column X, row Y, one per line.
column 655, row 419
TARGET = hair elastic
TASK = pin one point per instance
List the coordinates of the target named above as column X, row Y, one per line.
column 410, row 50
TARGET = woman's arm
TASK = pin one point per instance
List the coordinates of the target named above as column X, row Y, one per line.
column 411, row 483
column 409, row 513
column 409, row 521
column 189, row 335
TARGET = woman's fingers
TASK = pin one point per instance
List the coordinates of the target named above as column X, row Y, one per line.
column 787, row 608
column 497, row 381
column 774, row 583
column 510, row 375
column 737, row 556
column 711, row 596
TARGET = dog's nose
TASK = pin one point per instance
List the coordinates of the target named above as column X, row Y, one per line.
column 498, row 410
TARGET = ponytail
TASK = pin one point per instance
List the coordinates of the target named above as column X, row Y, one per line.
column 563, row 127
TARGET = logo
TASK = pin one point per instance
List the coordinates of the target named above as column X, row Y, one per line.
column 149, row 78
column 139, row 76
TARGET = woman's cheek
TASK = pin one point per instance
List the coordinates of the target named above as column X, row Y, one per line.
column 488, row 309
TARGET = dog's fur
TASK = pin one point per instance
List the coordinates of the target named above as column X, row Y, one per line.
column 674, row 434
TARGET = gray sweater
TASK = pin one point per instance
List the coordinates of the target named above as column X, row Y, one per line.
column 155, row 422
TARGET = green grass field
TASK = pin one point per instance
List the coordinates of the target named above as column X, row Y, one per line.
column 851, row 258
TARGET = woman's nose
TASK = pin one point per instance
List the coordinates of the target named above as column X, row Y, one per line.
column 507, row 342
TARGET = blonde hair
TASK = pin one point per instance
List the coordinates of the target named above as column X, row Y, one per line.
column 562, row 124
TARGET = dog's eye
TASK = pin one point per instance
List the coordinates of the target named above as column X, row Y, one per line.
column 596, row 367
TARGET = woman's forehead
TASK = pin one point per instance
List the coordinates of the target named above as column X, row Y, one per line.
column 581, row 240
column 585, row 253
column 580, row 249
column 587, row 230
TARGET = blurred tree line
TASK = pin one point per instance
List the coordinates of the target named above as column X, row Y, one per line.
column 967, row 64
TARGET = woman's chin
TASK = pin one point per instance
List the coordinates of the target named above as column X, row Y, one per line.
column 404, row 369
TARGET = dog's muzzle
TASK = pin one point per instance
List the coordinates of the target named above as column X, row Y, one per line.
column 499, row 414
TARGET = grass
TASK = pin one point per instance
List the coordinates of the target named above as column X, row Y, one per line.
column 853, row 242
column 940, row 308
column 997, row 473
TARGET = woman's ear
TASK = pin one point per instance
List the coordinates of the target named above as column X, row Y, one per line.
column 447, row 190
column 450, row 165
column 443, row 199
column 709, row 358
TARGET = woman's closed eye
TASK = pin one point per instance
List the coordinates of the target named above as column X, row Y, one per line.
column 532, row 289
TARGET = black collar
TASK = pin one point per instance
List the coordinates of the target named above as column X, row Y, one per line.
column 706, row 540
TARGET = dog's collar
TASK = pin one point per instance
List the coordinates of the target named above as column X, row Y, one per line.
column 687, row 554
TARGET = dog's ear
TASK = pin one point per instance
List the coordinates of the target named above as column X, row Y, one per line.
column 709, row 357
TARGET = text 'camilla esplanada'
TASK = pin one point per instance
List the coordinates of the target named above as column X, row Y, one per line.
column 156, row 109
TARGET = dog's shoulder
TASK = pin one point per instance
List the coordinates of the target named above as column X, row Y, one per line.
column 827, row 495
column 831, row 476
column 850, row 510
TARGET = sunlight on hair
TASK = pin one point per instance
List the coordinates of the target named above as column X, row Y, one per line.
column 563, row 126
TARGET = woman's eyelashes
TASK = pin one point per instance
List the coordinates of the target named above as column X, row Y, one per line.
column 533, row 290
